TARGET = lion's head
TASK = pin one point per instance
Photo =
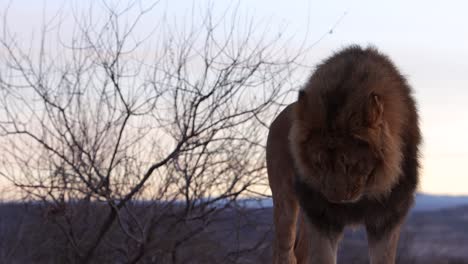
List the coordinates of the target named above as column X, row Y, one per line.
column 345, row 132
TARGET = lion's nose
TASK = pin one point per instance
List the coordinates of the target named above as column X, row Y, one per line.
column 337, row 197
column 348, row 197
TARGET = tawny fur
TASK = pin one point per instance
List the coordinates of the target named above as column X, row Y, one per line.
column 344, row 153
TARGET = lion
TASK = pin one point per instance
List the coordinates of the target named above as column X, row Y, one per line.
column 345, row 153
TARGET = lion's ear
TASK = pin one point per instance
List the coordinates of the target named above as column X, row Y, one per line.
column 301, row 104
column 301, row 98
column 301, row 95
column 375, row 111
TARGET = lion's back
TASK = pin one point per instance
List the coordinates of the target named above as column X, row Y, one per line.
column 280, row 165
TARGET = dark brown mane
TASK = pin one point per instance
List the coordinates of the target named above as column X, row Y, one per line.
column 336, row 100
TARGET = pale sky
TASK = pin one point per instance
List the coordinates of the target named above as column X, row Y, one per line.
column 428, row 40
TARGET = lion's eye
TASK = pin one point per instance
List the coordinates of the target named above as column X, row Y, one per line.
column 356, row 122
column 361, row 142
column 343, row 159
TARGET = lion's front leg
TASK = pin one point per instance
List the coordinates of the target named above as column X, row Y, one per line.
column 285, row 215
column 383, row 246
column 323, row 245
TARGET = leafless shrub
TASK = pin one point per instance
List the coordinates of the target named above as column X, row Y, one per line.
column 98, row 119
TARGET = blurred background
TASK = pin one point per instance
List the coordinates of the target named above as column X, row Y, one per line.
column 134, row 131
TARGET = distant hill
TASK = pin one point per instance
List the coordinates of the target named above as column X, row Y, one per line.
column 429, row 236
column 424, row 202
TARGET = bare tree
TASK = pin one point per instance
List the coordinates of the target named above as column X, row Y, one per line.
column 98, row 120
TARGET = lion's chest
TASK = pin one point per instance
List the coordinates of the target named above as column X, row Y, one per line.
column 332, row 217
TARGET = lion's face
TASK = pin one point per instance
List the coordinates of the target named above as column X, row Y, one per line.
column 340, row 164
column 337, row 154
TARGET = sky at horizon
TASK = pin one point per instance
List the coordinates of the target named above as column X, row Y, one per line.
column 428, row 41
